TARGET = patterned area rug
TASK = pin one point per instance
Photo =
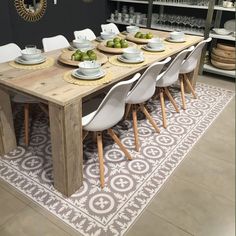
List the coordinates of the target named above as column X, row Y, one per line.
column 130, row 185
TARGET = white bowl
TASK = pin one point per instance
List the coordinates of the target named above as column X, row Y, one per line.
column 132, row 29
column 89, row 67
column 31, row 54
column 155, row 43
column 222, row 31
column 132, row 53
column 177, row 35
column 81, row 43
column 107, row 35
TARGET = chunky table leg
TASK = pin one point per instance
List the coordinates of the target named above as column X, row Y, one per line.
column 7, row 132
column 67, row 148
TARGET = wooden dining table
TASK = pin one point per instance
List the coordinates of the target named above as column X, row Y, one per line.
column 64, row 102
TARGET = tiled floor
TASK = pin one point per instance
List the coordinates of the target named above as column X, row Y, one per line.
column 199, row 198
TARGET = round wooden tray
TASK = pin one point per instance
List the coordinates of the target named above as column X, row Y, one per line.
column 223, row 66
column 225, row 47
column 223, row 53
column 131, row 38
column 65, row 58
column 222, row 59
column 102, row 46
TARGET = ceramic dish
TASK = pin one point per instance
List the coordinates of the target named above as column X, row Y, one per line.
column 145, row 47
column 20, row 60
column 175, row 41
column 125, row 60
column 221, row 31
column 79, row 75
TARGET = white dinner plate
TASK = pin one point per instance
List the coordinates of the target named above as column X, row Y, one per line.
column 79, row 75
column 136, row 60
column 175, row 40
column 145, row 47
column 20, row 60
column 221, row 31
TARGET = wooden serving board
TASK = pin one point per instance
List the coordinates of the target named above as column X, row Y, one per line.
column 225, row 47
column 223, row 53
column 102, row 47
column 65, row 58
column 131, row 38
column 223, row 66
column 222, row 59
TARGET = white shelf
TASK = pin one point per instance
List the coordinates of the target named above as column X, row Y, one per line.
column 124, row 23
column 220, row 8
column 225, row 37
column 171, row 4
column 131, row 1
column 214, row 70
column 154, row 26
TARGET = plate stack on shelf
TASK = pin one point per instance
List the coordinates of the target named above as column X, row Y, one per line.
column 223, row 57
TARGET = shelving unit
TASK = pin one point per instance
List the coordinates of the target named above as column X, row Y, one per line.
column 213, row 5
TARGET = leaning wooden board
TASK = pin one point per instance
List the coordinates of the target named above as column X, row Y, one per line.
column 65, row 58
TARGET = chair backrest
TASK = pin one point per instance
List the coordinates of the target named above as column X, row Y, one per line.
column 55, row 42
column 191, row 61
column 111, row 27
column 85, row 34
column 171, row 74
column 146, row 85
column 111, row 109
column 9, row 52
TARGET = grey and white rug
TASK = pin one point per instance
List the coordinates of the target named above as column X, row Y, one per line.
column 130, row 185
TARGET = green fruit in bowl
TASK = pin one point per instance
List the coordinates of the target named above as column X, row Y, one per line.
column 137, row 35
column 76, row 56
column 78, row 51
column 149, row 35
column 143, row 36
column 116, row 40
column 90, row 52
column 110, row 44
column 93, row 57
column 117, row 45
column 124, row 45
column 85, row 57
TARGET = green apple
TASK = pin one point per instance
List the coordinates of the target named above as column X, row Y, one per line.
column 89, row 52
column 116, row 40
column 137, row 35
column 124, row 45
column 149, row 35
column 143, row 36
column 110, row 44
column 117, row 45
column 85, row 57
column 93, row 56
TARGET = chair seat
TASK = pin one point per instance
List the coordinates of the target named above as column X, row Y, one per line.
column 86, row 119
column 23, row 99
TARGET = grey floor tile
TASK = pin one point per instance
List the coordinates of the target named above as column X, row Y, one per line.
column 9, row 206
column 29, row 223
column 150, row 224
column 194, row 209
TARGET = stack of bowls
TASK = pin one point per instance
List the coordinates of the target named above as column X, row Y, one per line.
column 89, row 68
column 81, row 43
column 156, row 44
column 177, row 36
column 31, row 54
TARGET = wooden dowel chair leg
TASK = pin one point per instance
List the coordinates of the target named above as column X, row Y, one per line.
column 171, row 99
column 94, row 137
column 26, row 123
column 182, row 92
column 190, row 86
column 85, row 134
column 135, row 127
column 117, row 140
column 163, row 108
column 127, row 111
column 144, row 110
column 100, row 158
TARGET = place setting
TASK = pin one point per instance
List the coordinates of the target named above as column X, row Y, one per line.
column 176, row 37
column 88, row 73
column 31, row 58
column 154, row 45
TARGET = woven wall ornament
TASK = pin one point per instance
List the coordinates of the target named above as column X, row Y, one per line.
column 31, row 12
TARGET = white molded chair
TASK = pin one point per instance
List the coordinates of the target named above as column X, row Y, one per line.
column 188, row 65
column 142, row 92
column 167, row 78
column 85, row 34
column 109, row 113
column 54, row 43
column 111, row 27
column 9, row 52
